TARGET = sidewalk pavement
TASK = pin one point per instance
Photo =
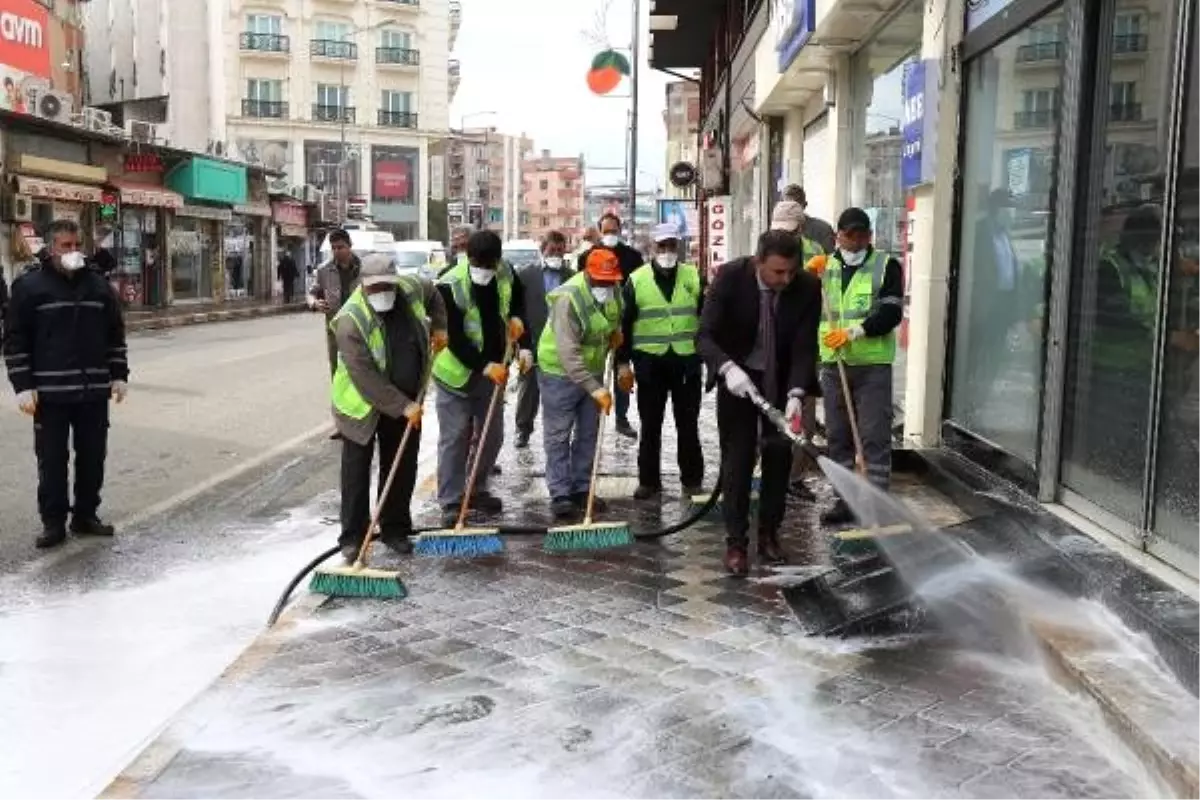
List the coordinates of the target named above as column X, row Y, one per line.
column 176, row 316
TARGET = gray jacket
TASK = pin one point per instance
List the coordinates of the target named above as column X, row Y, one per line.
column 537, row 312
column 327, row 285
column 375, row 386
column 568, row 331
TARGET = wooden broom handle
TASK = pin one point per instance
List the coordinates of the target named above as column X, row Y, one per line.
column 587, row 519
column 860, row 459
column 479, row 448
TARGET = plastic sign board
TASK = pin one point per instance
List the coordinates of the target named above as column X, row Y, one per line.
column 793, row 21
column 24, row 38
column 717, row 230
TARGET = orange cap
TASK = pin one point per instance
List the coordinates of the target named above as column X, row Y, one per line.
column 602, row 265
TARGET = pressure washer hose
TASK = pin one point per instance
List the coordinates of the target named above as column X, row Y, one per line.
column 683, row 524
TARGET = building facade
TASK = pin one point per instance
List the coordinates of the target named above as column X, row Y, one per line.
column 1033, row 163
column 682, row 119
column 554, row 196
column 484, row 182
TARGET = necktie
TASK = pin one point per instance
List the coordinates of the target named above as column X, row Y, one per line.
column 766, row 335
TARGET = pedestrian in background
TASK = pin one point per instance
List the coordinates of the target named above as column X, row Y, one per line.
column 288, row 273
column 64, row 346
column 458, row 249
column 758, row 332
column 663, row 301
column 865, row 291
column 629, row 259
column 813, row 228
column 385, row 332
column 336, row 280
column 538, row 281
column 584, row 325
column 484, row 308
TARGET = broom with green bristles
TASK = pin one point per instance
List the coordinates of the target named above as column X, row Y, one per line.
column 589, row 535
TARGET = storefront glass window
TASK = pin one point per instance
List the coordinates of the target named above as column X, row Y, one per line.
column 1008, row 175
column 1177, row 494
column 1115, row 278
column 192, row 243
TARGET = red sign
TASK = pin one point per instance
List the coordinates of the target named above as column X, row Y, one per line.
column 392, row 180
column 143, row 162
column 290, row 213
column 25, row 37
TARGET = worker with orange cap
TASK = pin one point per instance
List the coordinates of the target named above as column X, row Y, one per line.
column 584, row 325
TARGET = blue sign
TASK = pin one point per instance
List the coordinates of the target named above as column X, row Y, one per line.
column 914, row 123
column 794, row 22
column 679, row 213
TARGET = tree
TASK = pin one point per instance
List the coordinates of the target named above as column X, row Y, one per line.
column 439, row 225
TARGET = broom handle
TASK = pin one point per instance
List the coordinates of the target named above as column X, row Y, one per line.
column 480, row 447
column 587, row 519
column 860, row 459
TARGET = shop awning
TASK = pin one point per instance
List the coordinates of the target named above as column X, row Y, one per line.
column 58, row 190
column 133, row 194
column 686, row 45
column 253, row 209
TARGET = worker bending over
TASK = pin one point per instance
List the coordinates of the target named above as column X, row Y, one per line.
column 584, row 324
column 484, row 306
column 384, row 333
column 663, row 300
column 864, row 289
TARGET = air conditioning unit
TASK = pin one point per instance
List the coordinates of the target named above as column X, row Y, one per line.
column 296, row 192
column 51, row 105
column 139, row 131
column 18, row 208
column 96, row 119
column 310, row 194
column 277, row 186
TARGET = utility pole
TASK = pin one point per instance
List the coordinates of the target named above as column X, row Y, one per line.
column 633, row 116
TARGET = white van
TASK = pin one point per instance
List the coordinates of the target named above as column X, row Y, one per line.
column 522, row 252
column 363, row 241
column 419, row 258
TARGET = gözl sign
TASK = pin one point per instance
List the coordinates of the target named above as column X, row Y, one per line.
column 717, row 228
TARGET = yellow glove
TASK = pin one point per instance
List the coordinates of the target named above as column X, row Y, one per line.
column 413, row 413
column 625, row 378
column 496, row 373
column 616, row 339
column 603, row 400
column 515, row 329
column 439, row 341
column 838, row 337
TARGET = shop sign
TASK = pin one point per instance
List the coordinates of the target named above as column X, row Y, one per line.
column 682, row 174
column 253, row 209
column 143, row 162
column 793, row 21
column 58, row 190
column 150, row 197
column 205, row 212
column 717, row 227
column 290, row 214
column 110, row 207
column 24, row 44
column 394, row 174
column 919, row 123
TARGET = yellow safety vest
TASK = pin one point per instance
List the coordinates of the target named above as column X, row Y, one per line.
column 347, row 400
column 808, row 249
column 663, row 324
column 850, row 306
column 447, row 369
column 598, row 322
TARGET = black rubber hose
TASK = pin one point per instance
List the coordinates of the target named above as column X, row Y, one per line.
column 683, row 524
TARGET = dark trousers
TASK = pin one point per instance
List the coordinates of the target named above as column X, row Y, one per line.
column 741, row 440
column 621, row 400
column 86, row 426
column 289, row 291
column 657, row 380
column 528, row 399
column 396, row 518
column 871, row 391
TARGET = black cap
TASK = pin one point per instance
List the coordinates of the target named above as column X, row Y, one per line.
column 854, row 219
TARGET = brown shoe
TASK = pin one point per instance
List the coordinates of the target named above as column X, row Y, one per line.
column 735, row 561
column 769, row 549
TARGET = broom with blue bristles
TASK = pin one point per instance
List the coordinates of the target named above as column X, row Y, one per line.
column 589, row 535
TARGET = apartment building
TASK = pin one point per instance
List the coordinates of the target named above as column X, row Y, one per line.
column 483, row 180
column 682, row 118
column 340, row 95
column 553, row 187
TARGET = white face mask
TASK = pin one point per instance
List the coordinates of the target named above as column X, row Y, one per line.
column 602, row 294
column 73, row 261
column 610, row 240
column 554, row 262
column 481, row 276
column 853, row 259
column 382, row 301
column 667, row 260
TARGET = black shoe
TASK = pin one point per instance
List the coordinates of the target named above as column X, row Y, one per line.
column 487, row 503
column 840, row 514
column 90, row 526
column 335, row 436
column 598, row 504
column 350, row 553
column 495, row 469
column 398, row 543
column 563, row 508
column 644, row 492
column 691, row 490
column 52, row 536
column 522, row 440
column 450, row 515
column 625, row 429
column 799, row 489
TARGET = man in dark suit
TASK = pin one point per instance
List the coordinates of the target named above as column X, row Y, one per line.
column 758, row 331
column 629, row 259
column 537, row 281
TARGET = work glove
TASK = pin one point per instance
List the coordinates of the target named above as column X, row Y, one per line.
column 119, row 390
column 625, row 378
column 840, row 337
column 603, row 400
column 737, row 382
column 525, row 361
column 496, row 373
column 515, row 328
column 439, row 341
column 794, row 410
column 413, row 413
column 816, row 265
column 616, row 339
column 27, row 402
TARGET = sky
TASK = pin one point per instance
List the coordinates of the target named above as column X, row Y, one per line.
column 527, row 61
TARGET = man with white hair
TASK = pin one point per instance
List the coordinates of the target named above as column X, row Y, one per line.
column 663, row 300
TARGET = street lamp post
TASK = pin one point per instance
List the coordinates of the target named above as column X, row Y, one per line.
column 633, row 114
column 483, row 185
column 343, row 159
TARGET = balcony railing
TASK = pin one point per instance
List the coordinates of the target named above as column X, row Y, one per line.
column 1125, row 112
column 1042, row 118
column 412, row 3
column 1130, row 43
column 1042, row 51
column 265, row 42
column 397, row 119
column 397, row 55
column 333, row 48
column 265, row 109
column 323, row 113
column 454, row 68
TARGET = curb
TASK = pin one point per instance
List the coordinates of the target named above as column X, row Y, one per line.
column 204, row 317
